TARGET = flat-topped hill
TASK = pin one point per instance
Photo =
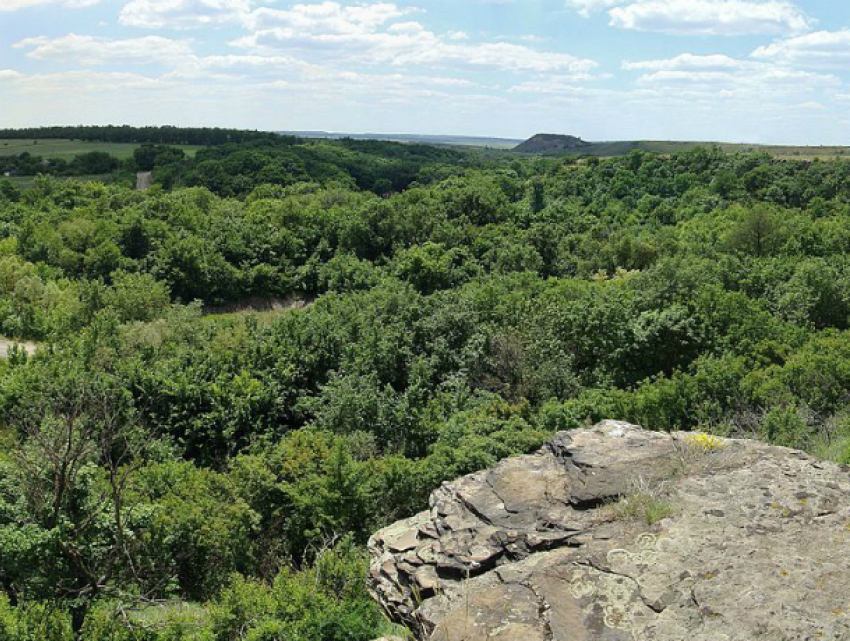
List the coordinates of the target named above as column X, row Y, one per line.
column 552, row 143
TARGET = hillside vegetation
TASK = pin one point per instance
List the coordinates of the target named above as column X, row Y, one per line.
column 560, row 145
column 232, row 163
column 168, row 476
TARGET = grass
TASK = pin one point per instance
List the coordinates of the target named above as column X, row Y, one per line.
column 833, row 442
column 262, row 318
column 779, row 151
column 264, row 311
column 156, row 616
column 67, row 149
column 835, row 450
column 643, row 506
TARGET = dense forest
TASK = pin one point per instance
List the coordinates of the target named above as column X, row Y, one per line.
column 233, row 165
column 172, row 472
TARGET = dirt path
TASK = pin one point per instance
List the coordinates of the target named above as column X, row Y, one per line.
column 6, row 347
column 143, row 180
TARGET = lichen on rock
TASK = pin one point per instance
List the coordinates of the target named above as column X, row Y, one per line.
column 756, row 545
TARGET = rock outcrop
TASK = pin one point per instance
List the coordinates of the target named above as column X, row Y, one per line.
column 746, row 542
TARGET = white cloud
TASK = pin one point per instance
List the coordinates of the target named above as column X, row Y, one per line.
column 89, row 50
column 373, row 34
column 712, row 17
column 183, row 14
column 14, row 5
column 684, row 61
column 587, row 7
column 821, row 48
column 810, row 105
column 327, row 18
column 499, row 55
column 746, row 77
column 718, row 72
column 564, row 87
column 9, row 74
column 80, row 82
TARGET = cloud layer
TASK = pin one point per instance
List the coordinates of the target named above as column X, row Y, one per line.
column 711, row 17
column 722, row 69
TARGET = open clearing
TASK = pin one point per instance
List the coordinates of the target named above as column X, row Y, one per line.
column 7, row 346
column 263, row 310
column 67, row 149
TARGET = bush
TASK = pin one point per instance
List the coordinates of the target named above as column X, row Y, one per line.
column 33, row 622
column 786, row 426
column 327, row 602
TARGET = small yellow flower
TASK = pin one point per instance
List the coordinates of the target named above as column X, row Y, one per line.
column 704, row 443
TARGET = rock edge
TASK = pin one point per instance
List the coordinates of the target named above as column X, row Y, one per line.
column 756, row 545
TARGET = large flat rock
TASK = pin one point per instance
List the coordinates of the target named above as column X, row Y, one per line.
column 754, row 544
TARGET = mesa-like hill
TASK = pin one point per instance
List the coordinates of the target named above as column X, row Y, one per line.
column 552, row 143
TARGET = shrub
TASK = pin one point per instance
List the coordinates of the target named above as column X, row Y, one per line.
column 33, row 622
column 786, row 426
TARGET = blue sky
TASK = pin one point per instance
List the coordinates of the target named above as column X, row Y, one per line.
column 770, row 71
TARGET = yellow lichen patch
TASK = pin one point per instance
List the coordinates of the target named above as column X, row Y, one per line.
column 704, row 443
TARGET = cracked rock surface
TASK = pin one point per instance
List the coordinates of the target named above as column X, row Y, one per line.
column 756, row 545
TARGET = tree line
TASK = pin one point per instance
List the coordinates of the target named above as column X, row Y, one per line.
column 166, row 135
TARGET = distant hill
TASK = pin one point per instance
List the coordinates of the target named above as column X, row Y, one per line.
column 552, row 144
column 454, row 141
column 562, row 145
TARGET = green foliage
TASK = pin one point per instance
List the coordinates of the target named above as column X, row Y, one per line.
column 114, row 621
column 786, row 426
column 327, row 602
column 33, row 622
column 197, row 527
column 453, row 309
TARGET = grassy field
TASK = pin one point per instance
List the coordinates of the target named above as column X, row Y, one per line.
column 779, row 151
column 788, row 152
column 67, row 149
